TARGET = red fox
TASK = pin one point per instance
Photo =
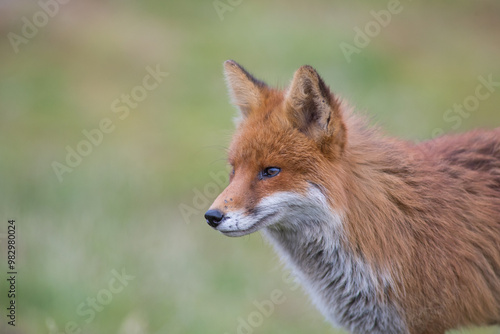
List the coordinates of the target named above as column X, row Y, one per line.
column 385, row 235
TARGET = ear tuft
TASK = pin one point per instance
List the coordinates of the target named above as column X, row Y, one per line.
column 244, row 89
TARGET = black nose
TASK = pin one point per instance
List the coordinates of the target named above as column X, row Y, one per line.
column 214, row 217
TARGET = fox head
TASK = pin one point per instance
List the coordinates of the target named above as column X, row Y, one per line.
column 287, row 145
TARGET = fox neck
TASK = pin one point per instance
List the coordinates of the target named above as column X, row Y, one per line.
column 347, row 291
column 381, row 191
column 333, row 256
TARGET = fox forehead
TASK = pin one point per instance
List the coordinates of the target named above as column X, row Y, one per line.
column 271, row 141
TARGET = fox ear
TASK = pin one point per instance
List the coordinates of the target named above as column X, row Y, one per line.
column 313, row 110
column 244, row 89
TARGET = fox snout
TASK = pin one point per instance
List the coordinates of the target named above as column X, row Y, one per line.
column 214, row 217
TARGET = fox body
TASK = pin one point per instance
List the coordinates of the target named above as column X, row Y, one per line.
column 386, row 236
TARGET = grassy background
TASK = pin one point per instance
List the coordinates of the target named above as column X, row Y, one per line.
column 119, row 209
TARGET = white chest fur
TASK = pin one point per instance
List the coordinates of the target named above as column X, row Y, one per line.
column 342, row 287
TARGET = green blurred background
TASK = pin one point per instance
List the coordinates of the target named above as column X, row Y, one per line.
column 135, row 203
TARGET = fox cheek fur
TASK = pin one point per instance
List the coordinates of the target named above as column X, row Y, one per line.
column 386, row 236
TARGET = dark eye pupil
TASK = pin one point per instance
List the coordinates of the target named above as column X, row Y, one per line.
column 270, row 171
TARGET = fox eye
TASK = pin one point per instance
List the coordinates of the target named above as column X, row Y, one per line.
column 269, row 172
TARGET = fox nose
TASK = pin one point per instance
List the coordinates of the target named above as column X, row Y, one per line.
column 214, row 217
